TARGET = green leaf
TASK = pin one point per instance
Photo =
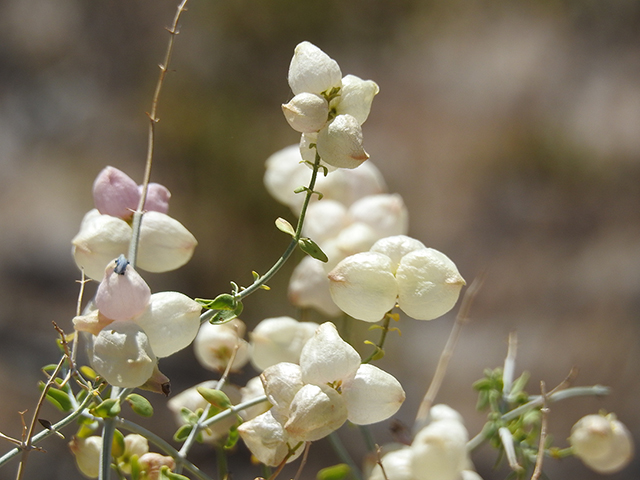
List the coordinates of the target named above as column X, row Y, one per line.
column 379, row 352
column 167, row 474
column 334, row 472
column 58, row 398
column 312, row 249
column 89, row 373
column 216, row 398
column 117, row 446
column 233, row 437
column 182, row 433
column 519, row 383
column 224, row 316
column 140, row 405
column 225, row 301
column 285, row 226
column 108, row 408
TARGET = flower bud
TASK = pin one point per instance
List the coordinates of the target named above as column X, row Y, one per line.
column 158, row 197
column 122, row 296
column 306, row 112
column 115, row 193
column 267, row 440
column 279, row 339
column 356, row 97
column 312, row 70
column 87, row 453
column 363, row 286
column 602, row 442
column 165, row 244
column 428, row 284
column 171, row 321
column 101, row 239
column 214, row 346
column 122, row 355
column 134, row 444
column 340, row 143
column 151, row 464
column 440, row 451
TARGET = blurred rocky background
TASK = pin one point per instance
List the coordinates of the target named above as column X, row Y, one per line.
column 511, row 129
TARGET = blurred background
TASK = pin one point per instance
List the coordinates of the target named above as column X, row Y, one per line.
column 511, row 129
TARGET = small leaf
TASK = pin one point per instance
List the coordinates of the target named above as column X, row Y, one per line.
column 167, row 474
column 216, row 398
column 224, row 301
column 312, row 249
column 58, row 398
column 109, row 408
column 89, row 373
column 334, row 472
column 188, row 416
column 285, row 226
column 233, row 438
column 140, row 405
column 379, row 352
column 117, row 446
column 301, row 189
column 182, row 433
column 224, row 316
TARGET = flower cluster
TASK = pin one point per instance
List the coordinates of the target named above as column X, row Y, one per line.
column 438, row 452
column 105, row 232
column 327, row 109
column 314, row 398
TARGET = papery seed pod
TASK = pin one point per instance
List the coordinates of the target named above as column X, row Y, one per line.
column 171, row 322
column 267, row 440
column 306, row 112
column 87, row 454
column 115, row 193
column 122, row 296
column 101, row 239
column 325, row 219
column 279, row 339
column 315, row 412
column 158, row 197
column 395, row 247
column 340, row 143
column 363, row 286
column 214, row 346
column 356, row 97
column 429, row 284
column 602, row 442
column 165, row 244
column 312, row 70
column 386, row 214
column 122, row 355
column 309, row 287
column 397, row 466
column 134, row 444
column 440, row 451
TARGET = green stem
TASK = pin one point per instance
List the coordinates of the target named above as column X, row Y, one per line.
column 163, row 445
column 342, row 453
column 537, row 401
column 383, row 336
column 47, row 433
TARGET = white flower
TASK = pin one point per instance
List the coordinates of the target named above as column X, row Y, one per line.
column 397, row 466
column 337, row 135
column 279, row 339
column 602, row 442
column 253, row 389
column 309, row 287
column 424, row 282
column 214, row 345
column 440, row 451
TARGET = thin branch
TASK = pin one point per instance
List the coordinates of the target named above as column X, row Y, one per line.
column 461, row 319
column 303, row 462
column 543, row 434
